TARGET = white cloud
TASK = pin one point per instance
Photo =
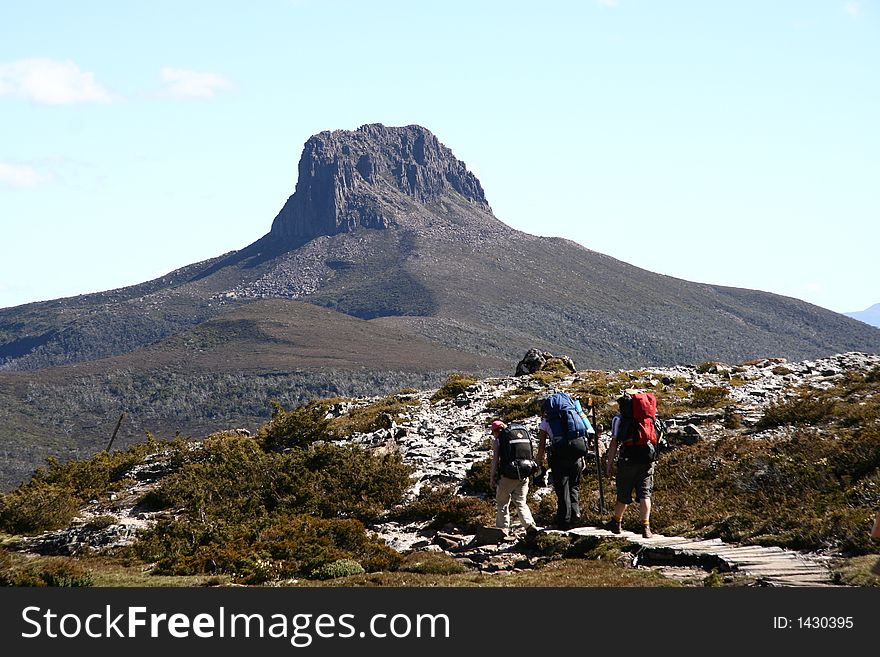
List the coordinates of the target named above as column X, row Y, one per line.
column 51, row 82
column 180, row 83
column 853, row 8
column 20, row 175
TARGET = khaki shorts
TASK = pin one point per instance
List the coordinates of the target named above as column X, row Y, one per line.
column 634, row 476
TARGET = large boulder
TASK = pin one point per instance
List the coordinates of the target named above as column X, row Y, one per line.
column 535, row 361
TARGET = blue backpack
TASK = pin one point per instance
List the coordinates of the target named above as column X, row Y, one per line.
column 567, row 424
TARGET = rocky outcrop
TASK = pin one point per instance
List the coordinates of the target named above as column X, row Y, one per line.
column 535, row 361
column 371, row 177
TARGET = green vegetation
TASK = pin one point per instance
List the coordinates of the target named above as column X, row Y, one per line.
column 288, row 506
column 515, row 406
column 260, row 515
column 375, row 415
column 454, row 386
column 431, row 563
column 54, row 494
column 41, row 571
column 443, row 507
column 300, row 427
column 338, row 568
column 708, row 397
column 241, row 508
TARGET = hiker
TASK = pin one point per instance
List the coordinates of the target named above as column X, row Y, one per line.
column 566, row 465
column 512, row 465
column 635, row 471
column 875, row 531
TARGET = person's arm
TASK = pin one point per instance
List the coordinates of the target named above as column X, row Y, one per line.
column 610, row 455
column 493, row 468
column 542, row 447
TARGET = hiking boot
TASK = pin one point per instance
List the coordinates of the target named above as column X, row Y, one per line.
column 531, row 532
column 614, row 527
column 646, row 532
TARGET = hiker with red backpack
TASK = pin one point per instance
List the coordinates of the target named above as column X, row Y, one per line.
column 635, row 444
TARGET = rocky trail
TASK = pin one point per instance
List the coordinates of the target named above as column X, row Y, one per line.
column 443, row 439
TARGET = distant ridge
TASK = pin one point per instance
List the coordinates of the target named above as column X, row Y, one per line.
column 869, row 316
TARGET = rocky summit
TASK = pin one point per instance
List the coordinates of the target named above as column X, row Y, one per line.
column 373, row 177
column 385, row 268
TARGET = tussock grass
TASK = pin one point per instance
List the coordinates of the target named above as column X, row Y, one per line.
column 515, row 406
column 454, row 386
column 376, row 415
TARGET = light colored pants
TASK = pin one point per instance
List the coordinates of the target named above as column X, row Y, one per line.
column 512, row 491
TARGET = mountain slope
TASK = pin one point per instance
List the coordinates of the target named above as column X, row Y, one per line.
column 387, row 229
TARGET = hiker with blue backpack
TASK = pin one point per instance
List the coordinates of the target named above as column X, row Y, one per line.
column 562, row 436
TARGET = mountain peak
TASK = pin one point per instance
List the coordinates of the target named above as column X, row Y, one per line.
column 374, row 177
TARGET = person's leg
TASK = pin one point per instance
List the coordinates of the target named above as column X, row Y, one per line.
column 560, row 486
column 518, row 499
column 645, row 510
column 574, row 492
column 619, row 508
column 624, row 483
column 502, row 502
column 644, row 489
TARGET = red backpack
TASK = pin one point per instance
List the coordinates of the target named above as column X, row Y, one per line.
column 636, row 432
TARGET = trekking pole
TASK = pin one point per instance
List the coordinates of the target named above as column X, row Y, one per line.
column 598, row 460
column 115, row 431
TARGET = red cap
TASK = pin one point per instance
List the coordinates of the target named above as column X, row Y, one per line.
column 497, row 425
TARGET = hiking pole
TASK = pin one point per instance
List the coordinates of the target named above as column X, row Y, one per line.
column 598, row 460
column 115, row 431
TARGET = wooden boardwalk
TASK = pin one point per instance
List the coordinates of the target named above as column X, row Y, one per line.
column 773, row 566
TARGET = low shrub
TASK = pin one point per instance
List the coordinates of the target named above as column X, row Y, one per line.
column 284, row 547
column 376, row 415
column 708, row 397
column 42, row 571
column 442, row 506
column 37, row 506
column 454, row 386
column 515, row 406
column 798, row 411
column 478, row 476
column 53, row 495
column 299, row 427
column 337, row 569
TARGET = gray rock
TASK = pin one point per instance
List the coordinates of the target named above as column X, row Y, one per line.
column 535, row 360
column 363, row 177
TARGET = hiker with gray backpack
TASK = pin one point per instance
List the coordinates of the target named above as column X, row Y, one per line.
column 512, row 465
column 562, row 435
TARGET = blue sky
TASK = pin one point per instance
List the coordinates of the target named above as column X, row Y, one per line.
column 734, row 143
